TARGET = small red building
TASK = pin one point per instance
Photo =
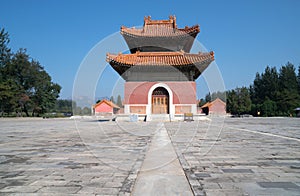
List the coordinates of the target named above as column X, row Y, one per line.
column 160, row 72
column 217, row 107
column 105, row 107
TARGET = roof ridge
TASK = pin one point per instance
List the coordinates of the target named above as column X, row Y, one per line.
column 171, row 20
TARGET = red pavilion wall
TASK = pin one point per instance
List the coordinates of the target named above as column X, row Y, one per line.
column 104, row 108
column 137, row 92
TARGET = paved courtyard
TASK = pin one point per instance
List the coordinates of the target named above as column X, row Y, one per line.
column 218, row 156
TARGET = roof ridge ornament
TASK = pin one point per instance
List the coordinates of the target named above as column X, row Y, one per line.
column 172, row 19
column 147, row 19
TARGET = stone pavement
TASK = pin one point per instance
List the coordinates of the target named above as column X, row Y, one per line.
column 232, row 156
column 251, row 156
column 64, row 157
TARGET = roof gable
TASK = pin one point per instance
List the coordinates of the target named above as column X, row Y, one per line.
column 219, row 100
column 104, row 101
column 209, row 104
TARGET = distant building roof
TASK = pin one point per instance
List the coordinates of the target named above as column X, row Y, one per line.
column 215, row 107
column 108, row 103
column 208, row 104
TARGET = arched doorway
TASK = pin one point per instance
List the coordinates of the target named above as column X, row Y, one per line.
column 160, row 101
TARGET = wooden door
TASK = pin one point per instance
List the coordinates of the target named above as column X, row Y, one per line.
column 160, row 101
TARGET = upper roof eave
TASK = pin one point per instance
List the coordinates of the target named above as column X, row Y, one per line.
column 160, row 32
column 160, row 58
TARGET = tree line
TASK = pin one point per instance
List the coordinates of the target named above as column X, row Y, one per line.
column 276, row 93
column 25, row 86
column 272, row 93
column 119, row 101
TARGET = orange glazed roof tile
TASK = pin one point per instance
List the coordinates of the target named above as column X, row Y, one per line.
column 159, row 58
column 208, row 104
column 153, row 28
column 110, row 103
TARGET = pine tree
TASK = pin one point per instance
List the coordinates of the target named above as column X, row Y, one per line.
column 208, row 98
column 257, row 89
column 5, row 51
column 218, row 94
column 119, row 101
column 8, row 86
column 298, row 77
column 265, row 92
column 231, row 102
column 112, row 99
column 238, row 101
column 288, row 86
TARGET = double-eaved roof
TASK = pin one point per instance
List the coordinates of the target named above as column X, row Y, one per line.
column 160, row 44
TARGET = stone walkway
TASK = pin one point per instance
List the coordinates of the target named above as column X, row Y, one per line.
column 243, row 156
column 161, row 173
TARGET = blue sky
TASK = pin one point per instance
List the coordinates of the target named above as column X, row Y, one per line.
column 246, row 36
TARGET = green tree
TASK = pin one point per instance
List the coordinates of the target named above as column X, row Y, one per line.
column 256, row 89
column 289, row 97
column 244, row 100
column 220, row 95
column 63, row 106
column 208, row 98
column 238, row 101
column 119, row 101
column 5, row 51
column 269, row 108
column 7, row 86
column 34, row 90
column 298, row 78
column 270, row 83
column 201, row 102
column 112, row 99
column 232, row 102
column 288, row 78
column 264, row 92
column 25, row 85
column 44, row 93
column 265, row 86
column 8, row 100
column 19, row 70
